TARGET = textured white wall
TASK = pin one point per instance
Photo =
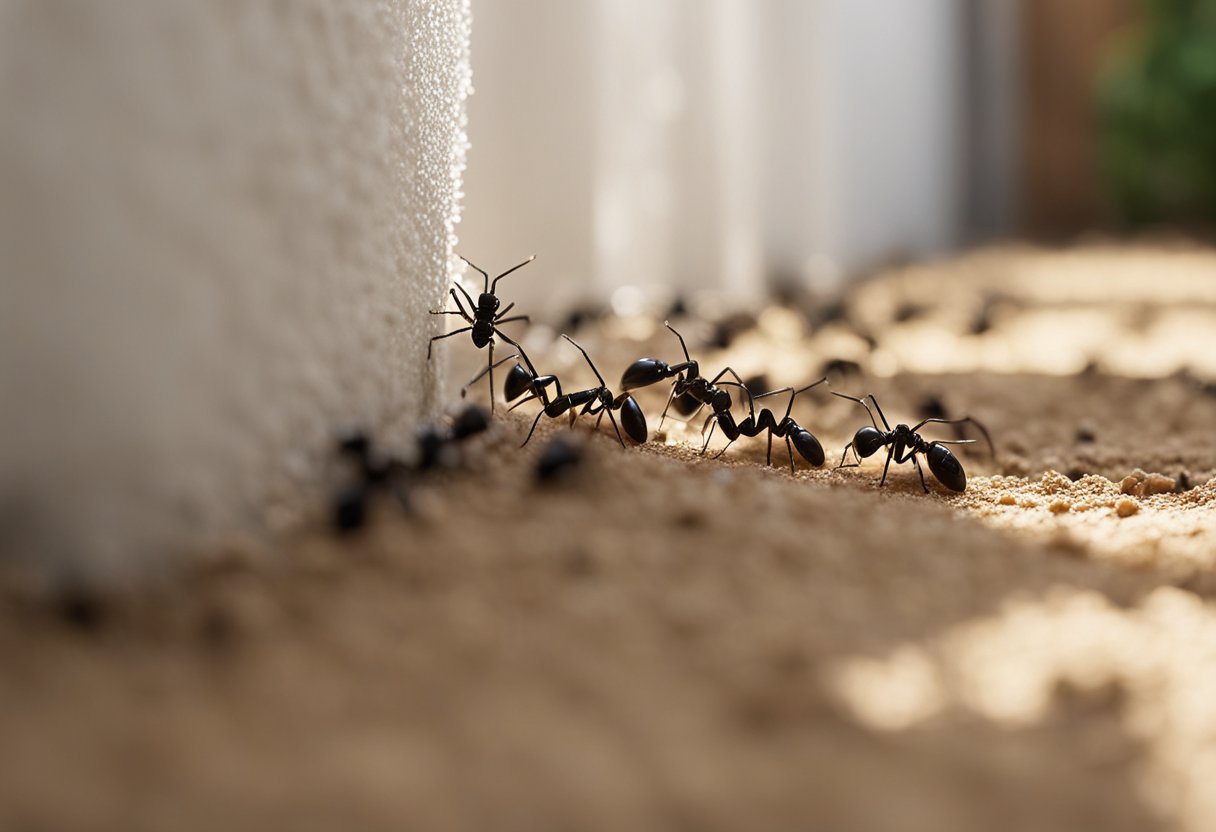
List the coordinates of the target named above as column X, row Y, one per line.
column 713, row 143
column 221, row 226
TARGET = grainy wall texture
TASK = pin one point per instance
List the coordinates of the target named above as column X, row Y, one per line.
column 221, row 226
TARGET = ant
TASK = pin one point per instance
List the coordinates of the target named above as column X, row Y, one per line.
column 375, row 472
column 484, row 320
column 690, row 386
column 595, row 401
column 794, row 434
column 904, row 443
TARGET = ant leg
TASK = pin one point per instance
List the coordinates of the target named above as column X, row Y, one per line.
column 529, row 398
column 513, row 319
column 458, row 311
column 890, row 453
column 711, row 436
column 670, row 398
column 916, row 462
column 769, row 458
column 612, row 419
column 464, row 391
column 468, row 297
column 445, row 335
column 502, row 312
column 534, row 424
column 790, row 448
column 965, row 419
column 726, row 370
column 490, row 370
column 856, row 464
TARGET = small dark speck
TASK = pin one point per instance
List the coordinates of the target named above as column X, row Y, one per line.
column 82, row 611
column 472, row 420
column 678, row 308
column 931, row 407
column 1075, row 474
column 349, row 510
column 829, row 312
column 690, row 519
column 558, row 459
column 579, row 563
column 756, row 384
column 581, row 315
column 982, row 321
column 839, row 367
column 1085, row 434
column 908, row 311
column 1183, row 481
column 217, row 628
column 729, row 328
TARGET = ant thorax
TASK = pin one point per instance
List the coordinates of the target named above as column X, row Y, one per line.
column 487, row 303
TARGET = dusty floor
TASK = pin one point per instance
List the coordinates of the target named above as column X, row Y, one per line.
column 665, row 641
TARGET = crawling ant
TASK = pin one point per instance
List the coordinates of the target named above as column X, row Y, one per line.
column 373, row 473
column 595, row 401
column 690, row 386
column 794, row 434
column 904, row 443
column 484, row 318
column 376, row 472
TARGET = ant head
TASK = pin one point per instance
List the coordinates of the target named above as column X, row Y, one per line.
column 721, row 401
column 487, row 302
column 868, row 440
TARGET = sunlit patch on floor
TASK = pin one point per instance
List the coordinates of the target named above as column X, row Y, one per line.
column 1150, row 664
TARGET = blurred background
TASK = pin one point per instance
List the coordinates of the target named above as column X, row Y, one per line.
column 746, row 145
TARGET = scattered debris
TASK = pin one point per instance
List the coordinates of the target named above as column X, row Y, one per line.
column 1140, row 484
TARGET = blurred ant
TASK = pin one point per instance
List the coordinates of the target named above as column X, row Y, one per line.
column 484, row 319
column 794, row 434
column 376, row 472
column 904, row 443
column 689, row 386
column 595, row 401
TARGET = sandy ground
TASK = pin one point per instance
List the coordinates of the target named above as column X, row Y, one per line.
column 668, row 641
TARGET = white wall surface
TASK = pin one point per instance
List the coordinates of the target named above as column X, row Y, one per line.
column 221, row 226
column 712, row 143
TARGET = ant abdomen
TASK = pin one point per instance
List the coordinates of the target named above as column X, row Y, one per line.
column 808, row 446
column 519, row 381
column 946, row 467
column 632, row 418
column 644, row 372
column 868, row 440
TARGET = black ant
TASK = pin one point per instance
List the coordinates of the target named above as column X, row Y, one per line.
column 376, row 472
column 690, row 386
column 484, row 319
column 904, row 443
column 373, row 473
column 794, row 434
column 595, row 401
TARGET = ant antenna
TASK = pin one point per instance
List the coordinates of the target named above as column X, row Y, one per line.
column 589, row 364
column 681, row 337
column 508, row 271
column 802, row 390
column 861, row 402
column 477, row 268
